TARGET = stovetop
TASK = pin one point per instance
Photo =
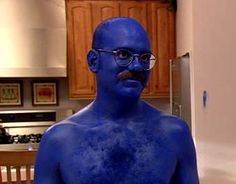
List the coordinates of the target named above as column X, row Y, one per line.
column 19, row 139
column 21, row 142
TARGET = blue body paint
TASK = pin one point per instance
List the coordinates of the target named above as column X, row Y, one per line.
column 118, row 138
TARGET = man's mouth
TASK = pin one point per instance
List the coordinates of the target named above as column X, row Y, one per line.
column 131, row 75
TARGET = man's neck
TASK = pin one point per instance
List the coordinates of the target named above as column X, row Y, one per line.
column 116, row 108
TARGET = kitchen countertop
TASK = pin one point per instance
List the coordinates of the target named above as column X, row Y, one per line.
column 27, row 146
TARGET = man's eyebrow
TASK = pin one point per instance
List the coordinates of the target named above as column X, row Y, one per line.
column 132, row 50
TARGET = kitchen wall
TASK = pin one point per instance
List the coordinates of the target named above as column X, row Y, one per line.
column 65, row 102
column 206, row 29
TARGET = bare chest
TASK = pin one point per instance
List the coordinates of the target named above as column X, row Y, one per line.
column 118, row 158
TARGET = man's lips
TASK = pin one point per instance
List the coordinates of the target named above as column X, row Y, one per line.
column 131, row 75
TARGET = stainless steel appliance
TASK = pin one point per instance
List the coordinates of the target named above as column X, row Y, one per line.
column 25, row 127
column 33, row 38
column 180, row 90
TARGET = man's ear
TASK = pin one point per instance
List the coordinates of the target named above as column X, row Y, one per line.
column 92, row 59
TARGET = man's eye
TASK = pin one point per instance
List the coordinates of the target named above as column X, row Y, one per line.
column 123, row 54
column 145, row 57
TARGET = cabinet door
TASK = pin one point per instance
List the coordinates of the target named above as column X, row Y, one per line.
column 79, row 27
column 102, row 10
column 136, row 10
column 162, row 36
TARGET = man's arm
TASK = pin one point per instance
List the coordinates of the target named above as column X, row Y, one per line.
column 46, row 166
column 186, row 169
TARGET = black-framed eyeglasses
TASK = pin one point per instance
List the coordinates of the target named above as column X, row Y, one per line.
column 124, row 57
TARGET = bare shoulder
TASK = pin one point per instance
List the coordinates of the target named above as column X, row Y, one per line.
column 166, row 122
column 178, row 135
column 75, row 127
column 171, row 130
column 79, row 121
column 56, row 135
column 173, row 125
column 59, row 134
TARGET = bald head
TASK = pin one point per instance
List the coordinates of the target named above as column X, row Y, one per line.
column 118, row 32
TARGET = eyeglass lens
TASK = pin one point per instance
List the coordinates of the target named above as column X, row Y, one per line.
column 125, row 57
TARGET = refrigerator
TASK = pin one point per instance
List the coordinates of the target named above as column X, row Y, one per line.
column 180, row 91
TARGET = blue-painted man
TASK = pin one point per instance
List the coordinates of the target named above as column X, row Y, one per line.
column 118, row 138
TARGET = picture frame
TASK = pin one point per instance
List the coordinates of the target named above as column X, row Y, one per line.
column 44, row 93
column 11, row 93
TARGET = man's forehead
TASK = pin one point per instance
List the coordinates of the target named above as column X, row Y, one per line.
column 122, row 32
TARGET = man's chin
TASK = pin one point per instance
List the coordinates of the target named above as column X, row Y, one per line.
column 131, row 92
column 130, row 88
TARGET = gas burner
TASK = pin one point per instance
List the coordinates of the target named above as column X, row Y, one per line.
column 20, row 139
column 35, row 138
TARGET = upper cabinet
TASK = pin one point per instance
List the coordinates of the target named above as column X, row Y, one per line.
column 84, row 16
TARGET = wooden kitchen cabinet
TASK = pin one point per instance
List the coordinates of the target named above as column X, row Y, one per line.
column 162, row 36
column 84, row 16
column 79, row 20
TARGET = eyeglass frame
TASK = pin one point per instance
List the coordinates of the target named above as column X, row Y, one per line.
column 131, row 59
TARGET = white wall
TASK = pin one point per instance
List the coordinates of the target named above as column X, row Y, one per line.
column 212, row 43
column 184, row 37
column 184, row 21
column 215, row 63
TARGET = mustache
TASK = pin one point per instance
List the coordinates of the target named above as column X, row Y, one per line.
column 131, row 75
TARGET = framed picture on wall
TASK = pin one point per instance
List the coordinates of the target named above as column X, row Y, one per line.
column 44, row 93
column 11, row 93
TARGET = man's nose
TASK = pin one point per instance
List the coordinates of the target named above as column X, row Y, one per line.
column 135, row 65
